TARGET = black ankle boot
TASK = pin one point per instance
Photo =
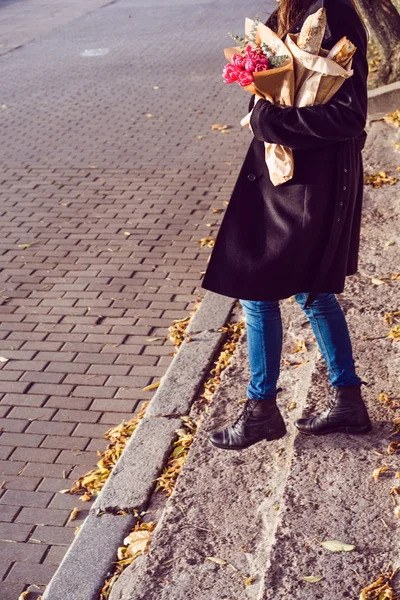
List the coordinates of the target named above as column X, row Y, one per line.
column 260, row 420
column 346, row 414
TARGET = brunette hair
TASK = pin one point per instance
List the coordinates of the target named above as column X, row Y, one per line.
column 289, row 11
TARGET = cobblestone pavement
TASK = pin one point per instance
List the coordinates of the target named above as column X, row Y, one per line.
column 108, row 177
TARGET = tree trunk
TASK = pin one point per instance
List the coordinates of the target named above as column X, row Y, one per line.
column 383, row 21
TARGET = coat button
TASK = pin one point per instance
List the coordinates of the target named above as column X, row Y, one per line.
column 344, row 188
column 338, row 219
column 345, row 170
column 251, row 177
column 341, row 204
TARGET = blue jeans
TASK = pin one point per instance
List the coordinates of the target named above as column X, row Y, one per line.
column 264, row 336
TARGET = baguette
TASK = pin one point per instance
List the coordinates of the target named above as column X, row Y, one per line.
column 312, row 33
column 342, row 52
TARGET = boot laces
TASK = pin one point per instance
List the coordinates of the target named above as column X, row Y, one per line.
column 334, row 398
column 248, row 409
column 246, row 412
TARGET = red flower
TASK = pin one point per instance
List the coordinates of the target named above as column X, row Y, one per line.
column 263, row 60
column 260, row 67
column 250, row 65
column 253, row 53
column 238, row 61
column 231, row 73
column 245, row 78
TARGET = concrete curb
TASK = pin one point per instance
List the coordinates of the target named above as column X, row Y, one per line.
column 85, row 567
column 384, row 99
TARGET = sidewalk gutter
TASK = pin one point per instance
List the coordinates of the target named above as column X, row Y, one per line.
column 86, row 565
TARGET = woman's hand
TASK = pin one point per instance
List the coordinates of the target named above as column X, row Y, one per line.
column 245, row 122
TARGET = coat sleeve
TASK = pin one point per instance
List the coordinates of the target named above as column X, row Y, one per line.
column 251, row 103
column 343, row 117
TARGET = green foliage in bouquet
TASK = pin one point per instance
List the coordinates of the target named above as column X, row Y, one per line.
column 274, row 61
column 253, row 33
column 241, row 41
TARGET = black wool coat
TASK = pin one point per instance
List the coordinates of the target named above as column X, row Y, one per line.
column 303, row 235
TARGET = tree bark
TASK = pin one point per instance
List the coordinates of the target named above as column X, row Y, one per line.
column 383, row 21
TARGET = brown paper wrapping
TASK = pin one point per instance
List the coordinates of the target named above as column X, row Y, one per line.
column 277, row 83
column 304, row 80
column 317, row 79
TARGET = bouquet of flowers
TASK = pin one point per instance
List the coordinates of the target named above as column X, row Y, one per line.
column 261, row 64
column 297, row 72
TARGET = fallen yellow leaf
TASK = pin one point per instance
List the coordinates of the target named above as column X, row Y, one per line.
column 207, row 241
column 219, row 127
column 377, row 281
column 28, row 245
column 152, row 386
column 137, row 542
column 377, row 180
column 312, row 578
column 380, row 471
column 73, row 514
column 336, row 546
column 218, row 561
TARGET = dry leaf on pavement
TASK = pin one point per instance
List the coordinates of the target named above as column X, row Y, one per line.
column 73, row 514
column 394, row 333
column 391, row 403
column 377, row 281
column 377, row 180
column 381, row 588
column 312, row 578
column 92, row 483
column 152, row 386
column 393, row 118
column 336, row 546
column 219, row 127
column 215, row 559
column 300, row 346
column 380, row 471
column 207, row 241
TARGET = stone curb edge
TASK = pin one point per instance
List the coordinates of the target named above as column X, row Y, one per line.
column 384, row 99
column 86, row 565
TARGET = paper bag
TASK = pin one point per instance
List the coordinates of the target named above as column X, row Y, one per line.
column 317, row 79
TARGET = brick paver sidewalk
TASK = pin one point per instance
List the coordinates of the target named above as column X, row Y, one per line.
column 106, row 185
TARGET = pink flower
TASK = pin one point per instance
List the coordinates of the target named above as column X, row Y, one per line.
column 260, row 67
column 238, row 61
column 231, row 73
column 263, row 60
column 253, row 53
column 245, row 78
column 250, row 65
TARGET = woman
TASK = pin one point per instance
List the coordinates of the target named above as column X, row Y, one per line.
column 298, row 239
